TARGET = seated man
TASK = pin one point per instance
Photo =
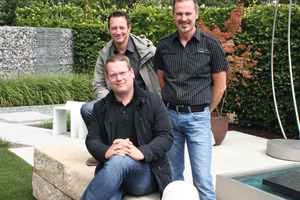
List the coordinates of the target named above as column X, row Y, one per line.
column 129, row 134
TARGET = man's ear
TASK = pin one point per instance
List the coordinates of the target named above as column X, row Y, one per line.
column 129, row 28
column 107, row 80
column 132, row 72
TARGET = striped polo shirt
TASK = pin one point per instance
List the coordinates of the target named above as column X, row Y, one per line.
column 188, row 70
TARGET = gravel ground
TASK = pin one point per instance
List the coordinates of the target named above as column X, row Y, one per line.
column 30, row 120
column 47, row 109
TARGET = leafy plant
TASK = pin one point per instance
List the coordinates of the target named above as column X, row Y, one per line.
column 240, row 58
column 253, row 107
column 45, row 89
column 3, row 143
column 257, row 107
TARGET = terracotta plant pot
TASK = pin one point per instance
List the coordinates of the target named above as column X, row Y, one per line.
column 219, row 127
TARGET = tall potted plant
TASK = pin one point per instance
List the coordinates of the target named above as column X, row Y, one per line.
column 241, row 61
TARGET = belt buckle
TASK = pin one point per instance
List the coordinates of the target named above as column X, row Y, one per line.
column 179, row 106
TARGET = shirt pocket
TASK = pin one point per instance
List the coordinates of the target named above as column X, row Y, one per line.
column 199, row 62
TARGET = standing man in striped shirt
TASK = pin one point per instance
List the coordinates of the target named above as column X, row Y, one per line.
column 191, row 68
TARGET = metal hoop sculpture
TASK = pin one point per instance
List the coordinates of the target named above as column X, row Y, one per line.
column 290, row 66
column 291, row 69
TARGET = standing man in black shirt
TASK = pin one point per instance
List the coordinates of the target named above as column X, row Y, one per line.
column 191, row 67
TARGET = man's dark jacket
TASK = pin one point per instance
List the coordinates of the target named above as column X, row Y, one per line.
column 152, row 125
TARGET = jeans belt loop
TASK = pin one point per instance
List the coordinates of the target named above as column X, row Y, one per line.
column 179, row 106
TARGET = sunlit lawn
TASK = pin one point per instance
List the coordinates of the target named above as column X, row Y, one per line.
column 16, row 177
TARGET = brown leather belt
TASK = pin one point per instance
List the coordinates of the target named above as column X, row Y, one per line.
column 185, row 109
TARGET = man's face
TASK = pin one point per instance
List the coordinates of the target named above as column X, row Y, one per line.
column 185, row 16
column 119, row 77
column 119, row 30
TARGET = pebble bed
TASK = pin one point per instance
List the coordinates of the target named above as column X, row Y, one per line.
column 43, row 109
column 31, row 50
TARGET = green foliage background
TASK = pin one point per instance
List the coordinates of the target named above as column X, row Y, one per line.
column 256, row 108
column 45, row 90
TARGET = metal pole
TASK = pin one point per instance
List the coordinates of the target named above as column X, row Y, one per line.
column 290, row 66
column 272, row 72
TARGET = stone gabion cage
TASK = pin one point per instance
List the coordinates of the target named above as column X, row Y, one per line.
column 28, row 50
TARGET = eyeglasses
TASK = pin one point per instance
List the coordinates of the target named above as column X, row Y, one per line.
column 122, row 74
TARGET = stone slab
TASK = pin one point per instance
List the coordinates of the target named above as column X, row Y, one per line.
column 288, row 184
column 63, row 166
column 43, row 190
column 62, row 169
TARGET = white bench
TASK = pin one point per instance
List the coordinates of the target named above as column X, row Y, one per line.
column 78, row 127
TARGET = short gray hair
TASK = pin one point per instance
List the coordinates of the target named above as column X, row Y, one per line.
column 195, row 2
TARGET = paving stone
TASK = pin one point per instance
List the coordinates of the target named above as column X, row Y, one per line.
column 62, row 167
column 288, row 184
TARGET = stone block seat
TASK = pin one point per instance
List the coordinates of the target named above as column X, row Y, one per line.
column 60, row 173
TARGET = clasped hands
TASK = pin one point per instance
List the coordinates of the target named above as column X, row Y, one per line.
column 124, row 147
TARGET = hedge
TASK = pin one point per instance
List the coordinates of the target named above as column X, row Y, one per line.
column 258, row 110
column 256, row 107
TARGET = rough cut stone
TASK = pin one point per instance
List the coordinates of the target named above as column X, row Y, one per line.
column 31, row 50
column 60, row 173
column 43, row 190
column 64, row 167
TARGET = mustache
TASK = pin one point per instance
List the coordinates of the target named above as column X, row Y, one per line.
column 184, row 22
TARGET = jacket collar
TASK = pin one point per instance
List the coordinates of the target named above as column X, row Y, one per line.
column 145, row 52
column 130, row 47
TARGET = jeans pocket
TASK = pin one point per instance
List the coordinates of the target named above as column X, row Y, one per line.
column 201, row 116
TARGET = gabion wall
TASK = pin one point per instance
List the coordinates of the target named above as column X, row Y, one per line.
column 25, row 50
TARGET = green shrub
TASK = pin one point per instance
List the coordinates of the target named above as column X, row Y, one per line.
column 255, row 108
column 3, row 143
column 152, row 21
column 45, row 89
column 89, row 39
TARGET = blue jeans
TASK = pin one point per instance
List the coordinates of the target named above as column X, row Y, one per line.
column 87, row 112
column 195, row 129
column 119, row 176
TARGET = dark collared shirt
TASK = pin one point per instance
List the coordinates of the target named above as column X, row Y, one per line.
column 135, row 60
column 188, row 70
column 124, row 120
